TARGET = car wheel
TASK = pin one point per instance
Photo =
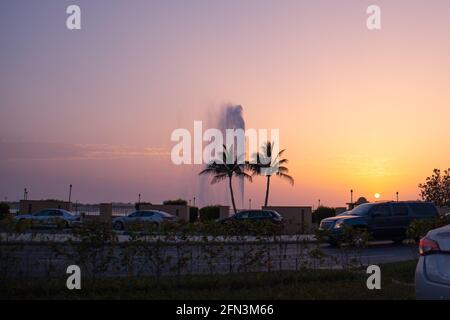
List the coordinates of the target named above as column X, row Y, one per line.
column 118, row 225
column 358, row 239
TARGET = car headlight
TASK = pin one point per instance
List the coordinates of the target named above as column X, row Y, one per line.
column 339, row 224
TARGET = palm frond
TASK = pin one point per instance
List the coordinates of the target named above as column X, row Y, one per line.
column 286, row 177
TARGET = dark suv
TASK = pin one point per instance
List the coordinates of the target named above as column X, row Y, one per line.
column 254, row 216
column 383, row 220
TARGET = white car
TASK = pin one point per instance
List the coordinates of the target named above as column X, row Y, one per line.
column 50, row 217
column 433, row 269
column 155, row 217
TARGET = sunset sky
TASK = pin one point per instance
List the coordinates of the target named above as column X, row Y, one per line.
column 356, row 109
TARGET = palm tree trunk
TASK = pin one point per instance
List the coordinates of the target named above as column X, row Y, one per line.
column 267, row 191
column 232, row 195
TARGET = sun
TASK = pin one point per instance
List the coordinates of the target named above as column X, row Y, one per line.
column 377, row 195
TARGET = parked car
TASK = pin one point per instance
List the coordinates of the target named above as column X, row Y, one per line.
column 254, row 215
column 50, row 217
column 154, row 217
column 433, row 269
column 383, row 220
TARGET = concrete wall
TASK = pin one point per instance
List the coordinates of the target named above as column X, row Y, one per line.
column 224, row 212
column 32, row 206
column 182, row 212
column 297, row 220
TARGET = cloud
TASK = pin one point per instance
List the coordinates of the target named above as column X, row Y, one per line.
column 10, row 151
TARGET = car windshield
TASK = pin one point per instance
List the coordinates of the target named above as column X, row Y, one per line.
column 67, row 212
column 361, row 210
column 164, row 214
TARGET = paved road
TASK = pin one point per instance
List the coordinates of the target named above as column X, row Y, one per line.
column 42, row 260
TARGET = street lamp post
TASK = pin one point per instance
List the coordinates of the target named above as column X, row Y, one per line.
column 249, row 203
column 397, row 195
column 70, row 192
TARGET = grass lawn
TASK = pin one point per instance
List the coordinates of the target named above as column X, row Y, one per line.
column 397, row 282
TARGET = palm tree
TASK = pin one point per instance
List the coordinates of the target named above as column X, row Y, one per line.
column 221, row 169
column 269, row 164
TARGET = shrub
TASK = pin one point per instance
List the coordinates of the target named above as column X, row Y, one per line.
column 193, row 214
column 419, row 228
column 209, row 213
column 178, row 202
column 4, row 210
column 322, row 213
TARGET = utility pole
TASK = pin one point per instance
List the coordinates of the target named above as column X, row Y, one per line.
column 249, row 203
column 70, row 192
column 194, row 201
column 351, row 196
column 397, row 195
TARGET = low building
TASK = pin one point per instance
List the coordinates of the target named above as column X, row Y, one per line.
column 352, row 205
column 32, row 206
column 297, row 220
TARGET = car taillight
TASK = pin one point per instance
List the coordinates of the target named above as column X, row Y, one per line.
column 427, row 246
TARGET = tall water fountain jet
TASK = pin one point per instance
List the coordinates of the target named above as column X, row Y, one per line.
column 231, row 117
column 228, row 116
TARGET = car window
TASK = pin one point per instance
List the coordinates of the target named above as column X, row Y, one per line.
column 268, row 214
column 243, row 215
column 255, row 214
column 382, row 210
column 362, row 209
column 55, row 213
column 423, row 209
column 42, row 213
column 135, row 214
column 147, row 214
column 399, row 209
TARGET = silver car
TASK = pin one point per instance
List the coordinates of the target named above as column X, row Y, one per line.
column 49, row 217
column 433, row 269
column 154, row 217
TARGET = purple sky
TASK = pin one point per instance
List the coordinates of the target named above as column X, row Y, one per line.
column 95, row 108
